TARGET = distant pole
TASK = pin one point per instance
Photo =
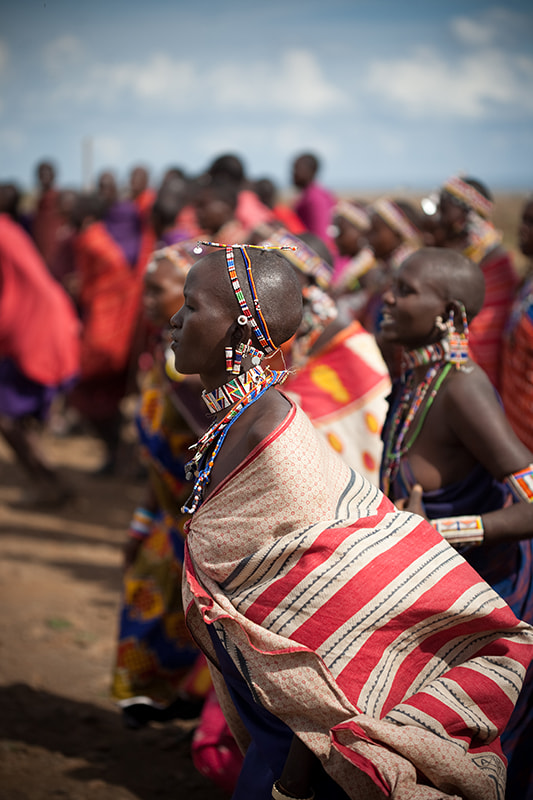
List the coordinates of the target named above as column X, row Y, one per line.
column 87, row 162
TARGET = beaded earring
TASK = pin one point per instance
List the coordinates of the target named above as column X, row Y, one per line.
column 457, row 341
column 441, row 325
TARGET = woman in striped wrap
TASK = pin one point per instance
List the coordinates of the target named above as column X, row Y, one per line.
column 354, row 652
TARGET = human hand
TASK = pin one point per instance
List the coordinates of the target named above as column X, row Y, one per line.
column 414, row 502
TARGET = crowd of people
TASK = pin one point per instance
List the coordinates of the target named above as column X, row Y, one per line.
column 330, row 567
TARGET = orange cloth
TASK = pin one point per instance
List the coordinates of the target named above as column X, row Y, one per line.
column 109, row 301
column 39, row 328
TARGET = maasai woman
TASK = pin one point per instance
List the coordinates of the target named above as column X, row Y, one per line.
column 395, row 232
column 355, row 653
column 447, row 434
column 152, row 677
column 517, row 361
column 465, row 211
column 338, row 375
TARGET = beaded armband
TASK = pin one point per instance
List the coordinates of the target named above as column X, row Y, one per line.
column 521, row 484
column 460, row 530
column 141, row 522
column 279, row 794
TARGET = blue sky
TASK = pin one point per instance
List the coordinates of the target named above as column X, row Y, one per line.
column 389, row 93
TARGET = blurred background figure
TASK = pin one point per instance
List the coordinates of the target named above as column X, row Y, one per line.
column 39, row 356
column 465, row 213
column 283, row 214
column 315, row 203
column 108, row 295
column 46, row 217
column 158, row 674
column 517, row 361
column 121, row 218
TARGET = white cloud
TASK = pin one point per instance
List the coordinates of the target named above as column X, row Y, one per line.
column 488, row 28
column 472, row 86
column 296, row 84
column 62, row 54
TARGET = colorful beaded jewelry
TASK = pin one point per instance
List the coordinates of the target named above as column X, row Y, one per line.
column 232, row 391
column 460, row 530
column 141, row 523
column 430, row 354
column 318, row 312
column 521, row 484
column 396, row 219
column 355, row 214
column 411, row 402
column 303, row 257
column 469, row 196
column 214, row 437
column 456, row 343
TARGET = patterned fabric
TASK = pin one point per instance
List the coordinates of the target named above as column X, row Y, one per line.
column 343, row 390
column 155, row 649
column 487, row 328
column 517, row 366
column 355, row 624
column 507, row 567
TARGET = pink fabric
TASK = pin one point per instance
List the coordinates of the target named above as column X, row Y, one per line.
column 314, row 208
column 214, row 750
column 39, row 328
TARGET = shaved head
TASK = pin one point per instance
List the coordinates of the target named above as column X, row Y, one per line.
column 277, row 287
column 452, row 275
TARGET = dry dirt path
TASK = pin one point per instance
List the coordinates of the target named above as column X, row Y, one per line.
column 60, row 734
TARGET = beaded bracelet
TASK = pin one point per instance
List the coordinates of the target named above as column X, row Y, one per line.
column 521, row 484
column 279, row 794
column 141, row 523
column 460, row 530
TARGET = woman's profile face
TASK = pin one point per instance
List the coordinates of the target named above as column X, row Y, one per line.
column 200, row 328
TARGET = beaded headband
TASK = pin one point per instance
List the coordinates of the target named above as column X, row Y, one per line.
column 354, row 214
column 303, row 257
column 260, row 329
column 469, row 196
column 395, row 217
column 176, row 254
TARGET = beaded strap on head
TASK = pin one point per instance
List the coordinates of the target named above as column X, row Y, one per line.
column 469, row 196
column 393, row 215
column 303, row 257
column 356, row 215
column 260, row 329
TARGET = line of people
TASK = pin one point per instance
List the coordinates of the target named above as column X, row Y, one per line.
column 391, row 296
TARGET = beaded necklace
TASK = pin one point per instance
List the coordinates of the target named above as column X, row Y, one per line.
column 430, row 354
column 233, row 391
column 214, row 437
column 408, row 407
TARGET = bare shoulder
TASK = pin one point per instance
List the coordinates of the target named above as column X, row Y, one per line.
column 468, row 387
column 270, row 411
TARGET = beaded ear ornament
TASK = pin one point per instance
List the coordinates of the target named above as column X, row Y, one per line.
column 240, row 392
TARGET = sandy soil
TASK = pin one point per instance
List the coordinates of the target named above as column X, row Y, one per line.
column 61, row 735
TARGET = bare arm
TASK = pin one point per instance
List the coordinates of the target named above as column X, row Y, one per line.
column 296, row 778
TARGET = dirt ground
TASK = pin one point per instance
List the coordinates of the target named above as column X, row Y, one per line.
column 61, row 735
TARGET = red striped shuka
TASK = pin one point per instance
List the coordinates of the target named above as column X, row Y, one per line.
column 355, row 624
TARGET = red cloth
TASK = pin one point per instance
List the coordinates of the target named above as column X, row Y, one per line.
column 250, row 211
column 486, row 330
column 109, row 301
column 144, row 202
column 290, row 219
column 39, row 328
